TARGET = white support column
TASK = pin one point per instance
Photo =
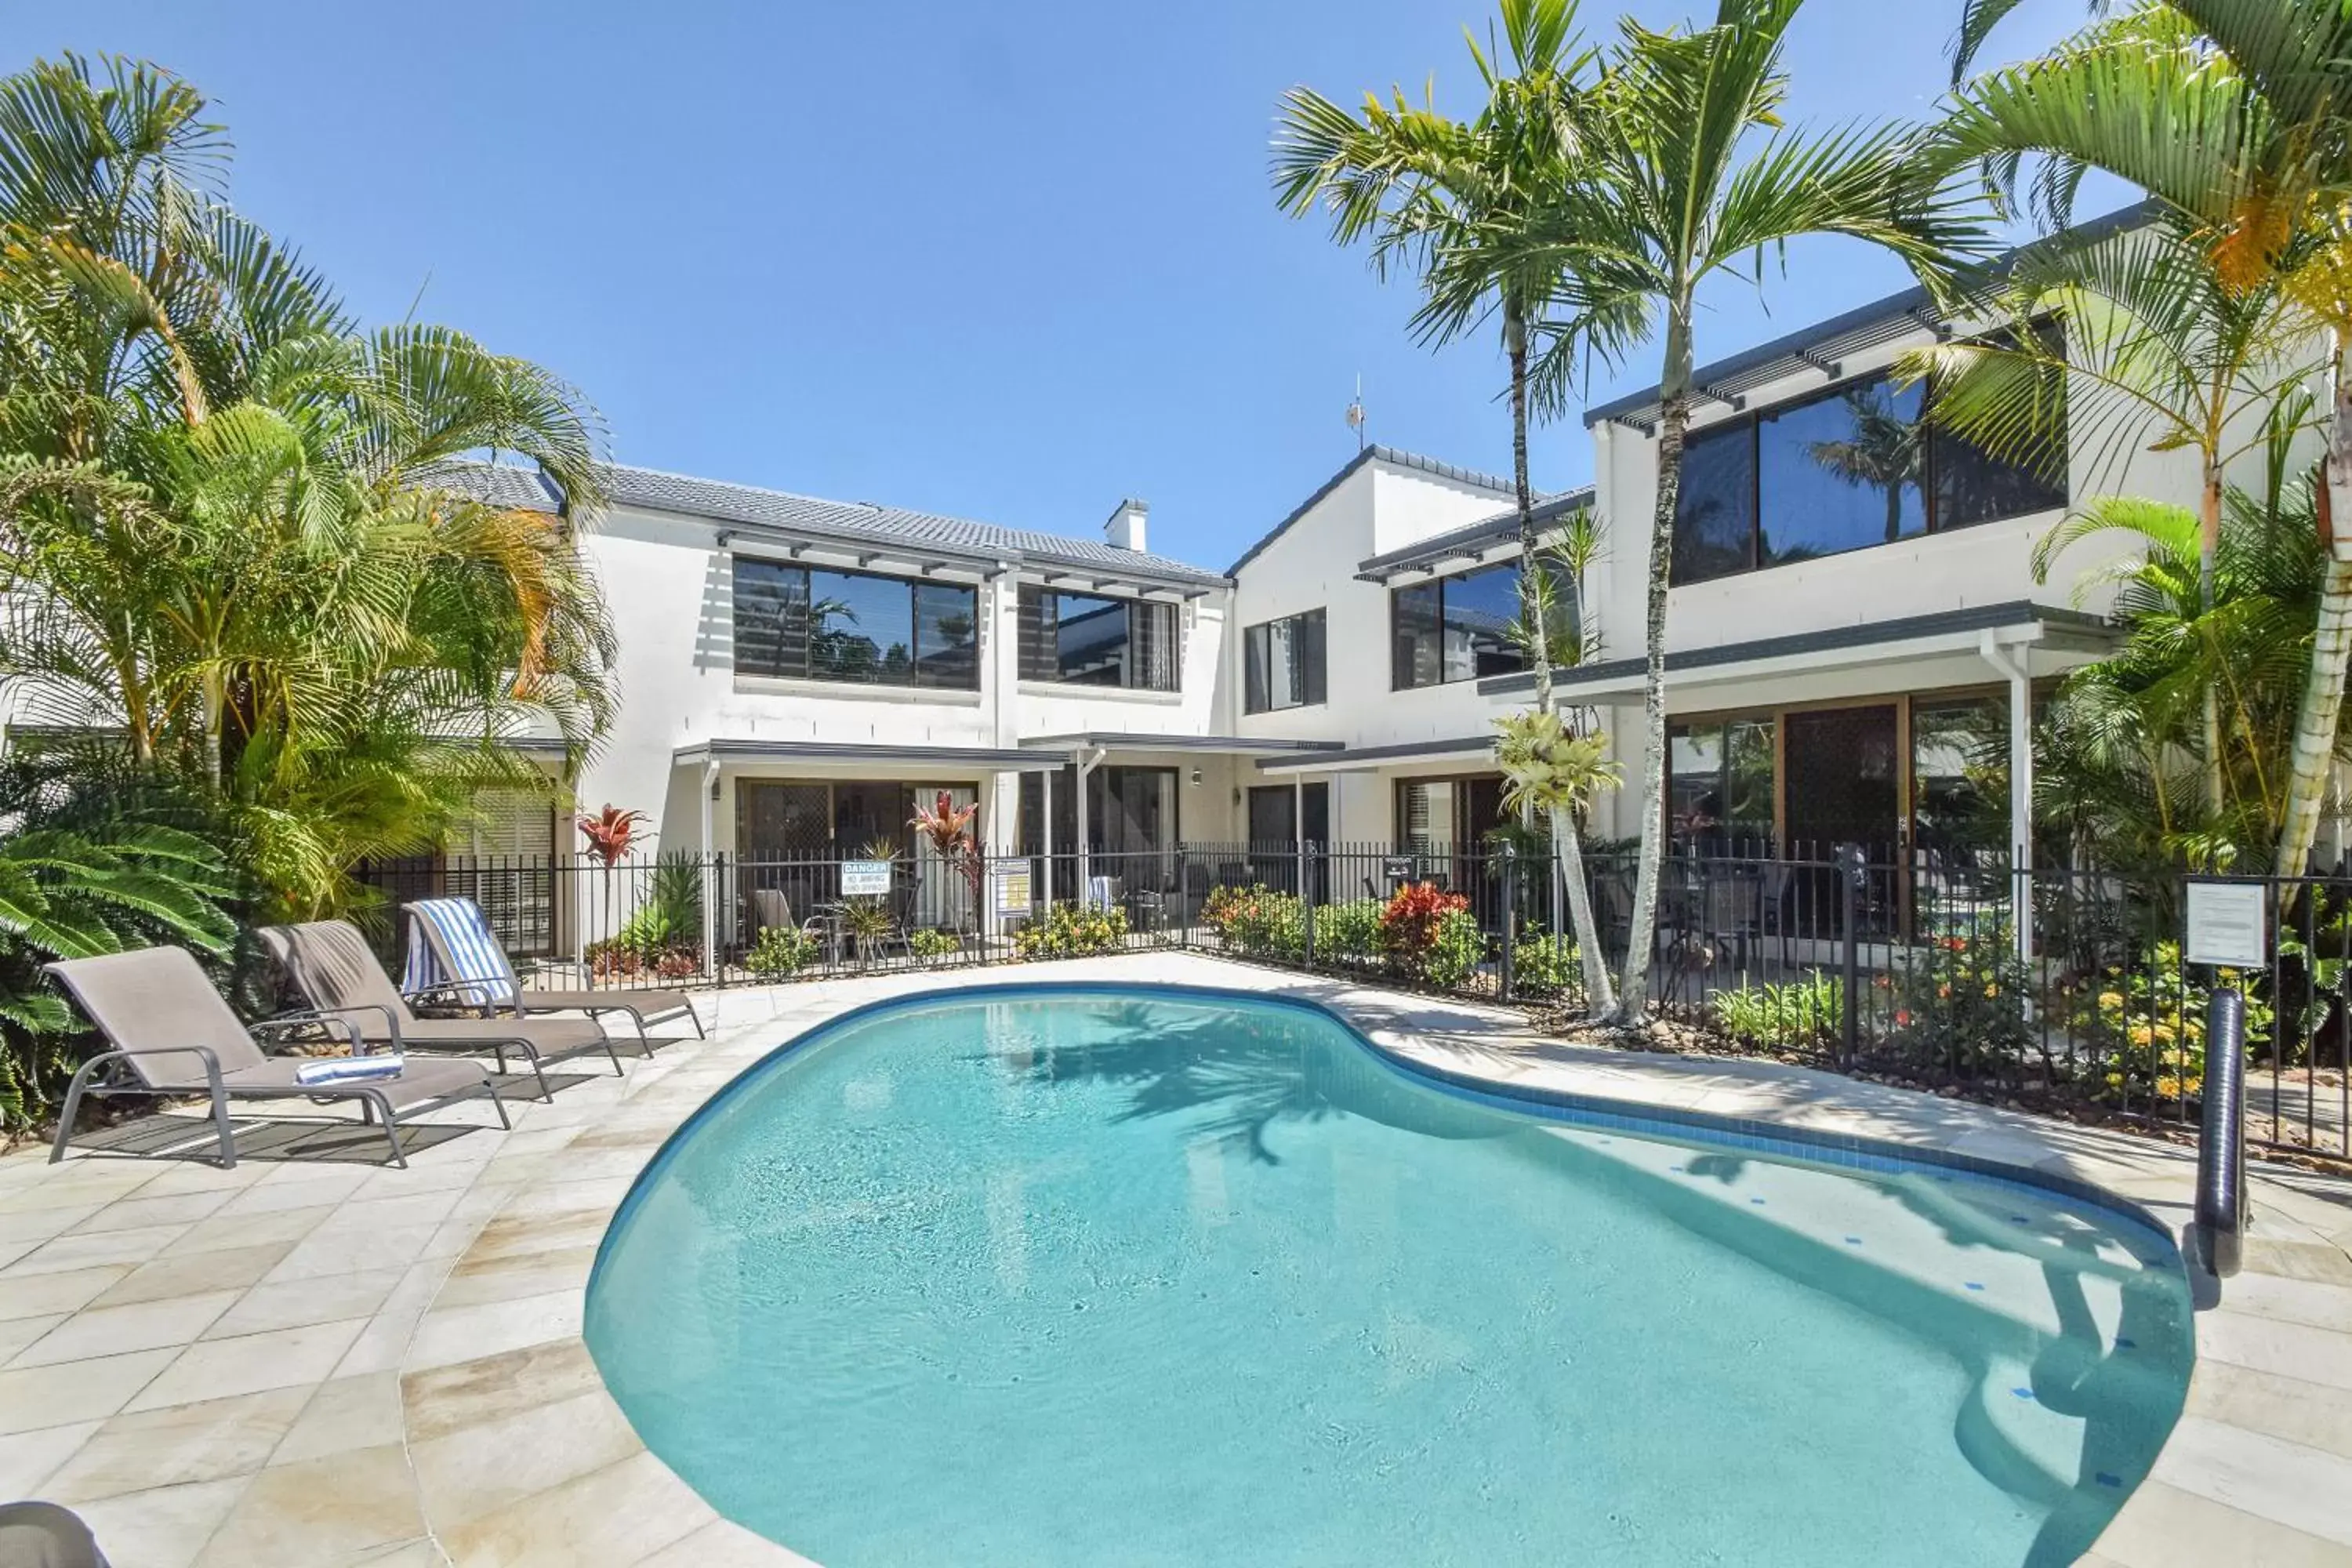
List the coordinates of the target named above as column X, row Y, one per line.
column 710, row 891
column 1298, row 827
column 1087, row 765
column 2010, row 659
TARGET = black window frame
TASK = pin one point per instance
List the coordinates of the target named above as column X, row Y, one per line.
column 1153, row 652
column 923, row 667
column 1751, row 425
column 1400, row 656
column 1311, row 674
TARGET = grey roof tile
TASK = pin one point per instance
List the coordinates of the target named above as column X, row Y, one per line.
column 506, row 485
column 656, row 490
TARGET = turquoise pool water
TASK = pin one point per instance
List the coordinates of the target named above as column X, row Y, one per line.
column 1111, row 1277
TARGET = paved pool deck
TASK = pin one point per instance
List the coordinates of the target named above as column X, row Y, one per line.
column 321, row 1362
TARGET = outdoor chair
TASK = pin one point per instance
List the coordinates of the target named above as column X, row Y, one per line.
column 772, row 908
column 168, row 1030
column 452, row 950
column 337, row 973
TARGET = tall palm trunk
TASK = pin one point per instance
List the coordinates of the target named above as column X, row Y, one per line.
column 2209, row 549
column 1674, row 421
column 1567, row 846
column 2313, row 757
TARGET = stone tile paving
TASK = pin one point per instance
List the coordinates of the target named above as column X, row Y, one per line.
column 321, row 1364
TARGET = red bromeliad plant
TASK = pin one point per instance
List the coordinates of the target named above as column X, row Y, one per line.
column 609, row 832
column 1410, row 922
column 952, row 832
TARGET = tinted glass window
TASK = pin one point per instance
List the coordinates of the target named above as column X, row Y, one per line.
column 1843, row 471
column 861, row 628
column 771, row 618
column 1418, row 631
column 1479, row 608
column 947, row 627
column 1283, row 663
column 1715, row 512
column 1090, row 641
column 1973, row 486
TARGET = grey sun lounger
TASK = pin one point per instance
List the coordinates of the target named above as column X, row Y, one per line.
column 168, row 1033
column 469, row 961
column 338, row 973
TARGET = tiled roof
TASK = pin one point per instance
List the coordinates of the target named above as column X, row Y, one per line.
column 504, row 485
column 655, row 491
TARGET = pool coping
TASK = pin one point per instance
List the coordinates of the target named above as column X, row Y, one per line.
column 507, row 1448
column 2129, row 1540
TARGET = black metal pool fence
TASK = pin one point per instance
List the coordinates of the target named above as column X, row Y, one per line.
column 1941, row 968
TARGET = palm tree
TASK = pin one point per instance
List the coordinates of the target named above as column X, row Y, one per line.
column 237, row 528
column 1678, row 189
column 2155, row 353
column 1452, row 197
column 1549, row 769
column 1439, row 193
column 2237, row 114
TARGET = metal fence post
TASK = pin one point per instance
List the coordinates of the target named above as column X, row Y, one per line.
column 1510, row 916
column 1306, row 898
column 1851, row 872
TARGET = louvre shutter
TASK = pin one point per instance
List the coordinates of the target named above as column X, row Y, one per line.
column 1039, row 657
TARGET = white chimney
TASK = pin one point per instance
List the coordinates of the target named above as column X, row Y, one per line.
column 1125, row 529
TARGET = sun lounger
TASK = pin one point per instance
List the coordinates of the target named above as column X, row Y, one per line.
column 168, row 1033
column 338, row 973
column 452, row 948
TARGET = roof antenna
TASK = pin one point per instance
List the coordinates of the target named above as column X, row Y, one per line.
column 1356, row 412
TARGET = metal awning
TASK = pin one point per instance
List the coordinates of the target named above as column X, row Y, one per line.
column 1359, row 757
column 1226, row 745
column 1469, row 546
column 990, row 759
column 1876, row 646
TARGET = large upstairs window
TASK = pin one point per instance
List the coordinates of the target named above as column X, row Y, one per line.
column 1086, row 639
column 1858, row 465
column 857, row 628
column 1461, row 628
column 1282, row 663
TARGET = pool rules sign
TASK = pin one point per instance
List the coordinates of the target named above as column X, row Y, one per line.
column 2229, row 925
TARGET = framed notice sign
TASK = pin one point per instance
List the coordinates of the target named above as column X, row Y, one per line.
column 862, row 878
column 1397, row 869
column 2228, row 924
column 1011, row 882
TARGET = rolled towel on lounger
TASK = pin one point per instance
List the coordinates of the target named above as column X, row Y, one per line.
column 347, row 1069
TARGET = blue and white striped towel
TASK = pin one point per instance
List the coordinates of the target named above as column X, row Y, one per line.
column 480, row 962
column 347, row 1069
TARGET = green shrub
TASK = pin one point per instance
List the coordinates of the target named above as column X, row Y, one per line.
column 1069, row 931
column 1258, row 920
column 1348, row 930
column 1456, row 948
column 1963, row 1004
column 1543, row 965
column 1799, row 1014
column 934, row 944
column 782, row 950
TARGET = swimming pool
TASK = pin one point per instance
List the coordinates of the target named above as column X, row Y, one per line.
column 1083, row 1276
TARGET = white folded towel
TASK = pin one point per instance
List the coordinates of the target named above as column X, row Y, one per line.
column 347, row 1069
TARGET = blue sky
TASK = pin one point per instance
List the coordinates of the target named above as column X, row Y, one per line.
column 1009, row 262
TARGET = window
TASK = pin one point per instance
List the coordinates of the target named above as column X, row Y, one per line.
column 1720, row 783
column 1842, row 472
column 1086, row 639
column 853, row 627
column 1856, row 466
column 1715, row 511
column 1283, row 663
column 1459, row 628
